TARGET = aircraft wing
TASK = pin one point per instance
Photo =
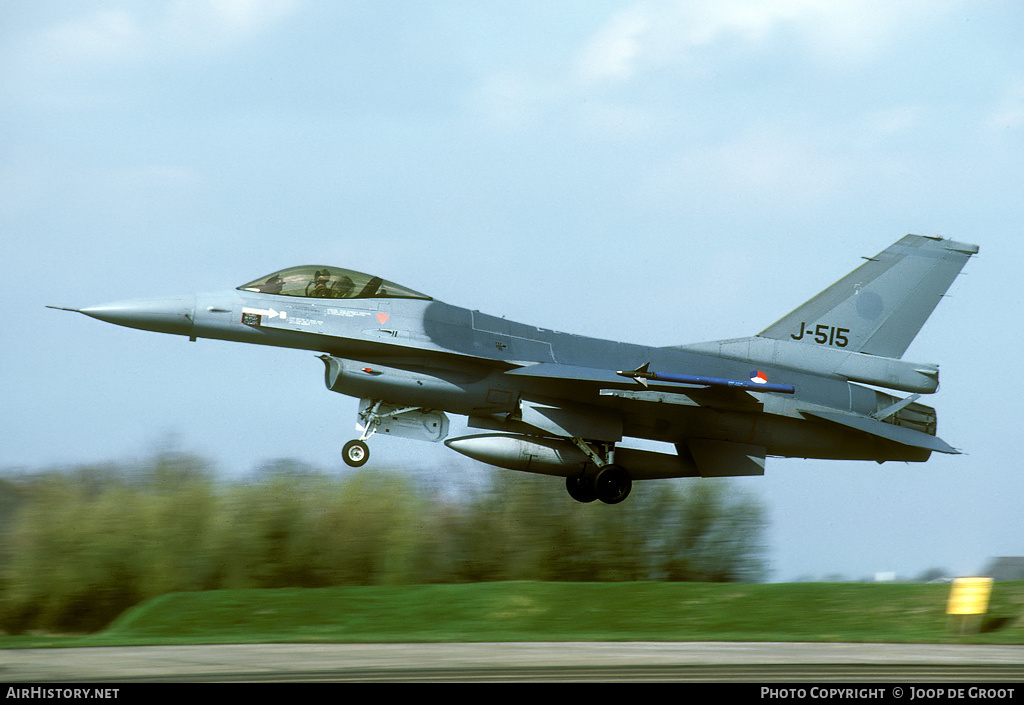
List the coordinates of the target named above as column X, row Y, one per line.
column 717, row 396
column 573, row 373
column 600, row 422
column 711, row 392
column 609, row 378
column 570, row 373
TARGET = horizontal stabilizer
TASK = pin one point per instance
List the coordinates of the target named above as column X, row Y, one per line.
column 888, row 431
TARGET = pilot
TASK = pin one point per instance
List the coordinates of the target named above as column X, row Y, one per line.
column 321, row 285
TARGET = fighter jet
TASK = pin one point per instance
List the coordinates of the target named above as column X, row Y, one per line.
column 811, row 385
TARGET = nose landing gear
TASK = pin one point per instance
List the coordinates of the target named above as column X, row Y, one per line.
column 394, row 420
column 355, row 453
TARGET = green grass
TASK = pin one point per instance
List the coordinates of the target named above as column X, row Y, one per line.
column 537, row 611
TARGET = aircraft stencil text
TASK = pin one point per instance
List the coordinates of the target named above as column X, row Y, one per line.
column 824, row 335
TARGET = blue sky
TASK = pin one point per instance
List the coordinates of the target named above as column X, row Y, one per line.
column 655, row 172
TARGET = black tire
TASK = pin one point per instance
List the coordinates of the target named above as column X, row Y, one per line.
column 355, row 453
column 581, row 488
column 612, row 484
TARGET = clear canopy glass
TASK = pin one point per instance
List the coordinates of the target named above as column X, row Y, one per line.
column 319, row 282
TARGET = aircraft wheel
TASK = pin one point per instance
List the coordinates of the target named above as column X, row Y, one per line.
column 355, row 453
column 581, row 489
column 612, row 484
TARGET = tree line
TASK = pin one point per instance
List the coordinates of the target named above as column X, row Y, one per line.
column 79, row 546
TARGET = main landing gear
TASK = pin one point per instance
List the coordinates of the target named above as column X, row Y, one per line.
column 611, row 483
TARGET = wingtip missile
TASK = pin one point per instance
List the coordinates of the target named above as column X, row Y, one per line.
column 758, row 381
column 640, row 374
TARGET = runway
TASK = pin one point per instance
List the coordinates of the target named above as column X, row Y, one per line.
column 505, row 662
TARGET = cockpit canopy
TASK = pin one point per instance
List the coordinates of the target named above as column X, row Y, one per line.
column 319, row 282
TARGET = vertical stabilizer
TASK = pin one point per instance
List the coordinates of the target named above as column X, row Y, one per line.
column 879, row 307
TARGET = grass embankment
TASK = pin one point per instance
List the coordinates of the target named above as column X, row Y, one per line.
column 538, row 611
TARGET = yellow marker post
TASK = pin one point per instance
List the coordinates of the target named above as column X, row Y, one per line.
column 968, row 599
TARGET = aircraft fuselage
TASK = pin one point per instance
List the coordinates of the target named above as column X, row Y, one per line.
column 434, row 355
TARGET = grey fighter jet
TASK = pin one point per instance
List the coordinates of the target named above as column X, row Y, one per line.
column 807, row 386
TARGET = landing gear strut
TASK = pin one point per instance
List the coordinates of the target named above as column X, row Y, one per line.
column 610, row 484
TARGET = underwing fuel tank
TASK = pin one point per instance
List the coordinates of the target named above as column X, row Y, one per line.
column 559, row 456
column 545, row 456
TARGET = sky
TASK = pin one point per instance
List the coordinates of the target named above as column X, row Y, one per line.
column 657, row 172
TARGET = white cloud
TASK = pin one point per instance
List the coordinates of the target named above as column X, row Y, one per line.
column 108, row 34
column 170, row 29
column 655, row 33
column 224, row 21
column 614, row 52
column 55, row 64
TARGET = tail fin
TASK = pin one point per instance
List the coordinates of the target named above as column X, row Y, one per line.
column 879, row 307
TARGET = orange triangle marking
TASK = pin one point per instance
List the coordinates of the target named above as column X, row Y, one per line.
column 383, row 317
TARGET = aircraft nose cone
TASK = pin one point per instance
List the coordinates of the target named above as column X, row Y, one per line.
column 172, row 314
